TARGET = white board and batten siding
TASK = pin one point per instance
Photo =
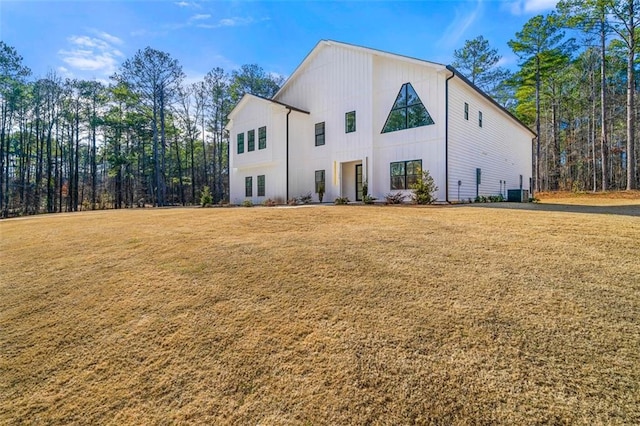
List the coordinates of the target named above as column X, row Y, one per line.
column 337, row 78
column 501, row 148
column 332, row 82
column 423, row 143
column 270, row 162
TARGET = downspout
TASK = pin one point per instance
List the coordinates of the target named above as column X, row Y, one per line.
column 287, row 157
column 446, row 133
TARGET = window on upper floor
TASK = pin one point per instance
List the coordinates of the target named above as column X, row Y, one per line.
column 251, row 140
column 240, row 139
column 466, row 111
column 405, row 173
column 320, row 134
column 262, row 137
column 350, row 122
column 248, row 186
column 261, row 183
column 480, row 118
column 320, row 181
column 407, row 112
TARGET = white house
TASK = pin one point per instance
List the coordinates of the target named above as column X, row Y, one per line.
column 350, row 114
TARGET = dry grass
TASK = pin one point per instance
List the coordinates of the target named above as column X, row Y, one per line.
column 327, row 315
column 615, row 197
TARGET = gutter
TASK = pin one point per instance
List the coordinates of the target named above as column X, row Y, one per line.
column 287, row 157
column 446, row 134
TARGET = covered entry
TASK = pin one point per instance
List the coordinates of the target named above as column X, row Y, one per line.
column 351, row 180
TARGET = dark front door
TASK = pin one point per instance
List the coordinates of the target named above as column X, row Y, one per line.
column 358, row 182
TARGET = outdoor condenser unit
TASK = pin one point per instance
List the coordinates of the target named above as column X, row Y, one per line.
column 518, row 195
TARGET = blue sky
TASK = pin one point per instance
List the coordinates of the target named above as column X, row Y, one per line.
column 91, row 38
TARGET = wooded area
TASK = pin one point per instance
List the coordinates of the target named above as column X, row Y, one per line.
column 149, row 138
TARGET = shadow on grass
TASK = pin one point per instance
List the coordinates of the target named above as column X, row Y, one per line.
column 623, row 210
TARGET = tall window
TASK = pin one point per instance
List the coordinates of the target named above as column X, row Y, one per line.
column 240, row 143
column 251, row 140
column 405, row 173
column 466, row 111
column 320, row 181
column 320, row 134
column 350, row 122
column 260, row 185
column 480, row 118
column 262, row 137
column 248, row 186
column 407, row 111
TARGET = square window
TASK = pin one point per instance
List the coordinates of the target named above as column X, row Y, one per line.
column 405, row 173
column 251, row 140
column 240, row 139
column 350, row 122
column 320, row 134
column 248, row 186
column 261, row 186
column 262, row 137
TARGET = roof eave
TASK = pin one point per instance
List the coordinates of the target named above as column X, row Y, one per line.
column 457, row 73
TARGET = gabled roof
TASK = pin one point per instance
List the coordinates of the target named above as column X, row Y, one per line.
column 247, row 97
column 322, row 44
column 327, row 43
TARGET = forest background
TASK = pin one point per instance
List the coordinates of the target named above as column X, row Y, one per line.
column 147, row 137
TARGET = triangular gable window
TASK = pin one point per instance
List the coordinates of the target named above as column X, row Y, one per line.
column 408, row 111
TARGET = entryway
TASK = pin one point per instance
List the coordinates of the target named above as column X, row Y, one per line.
column 351, row 180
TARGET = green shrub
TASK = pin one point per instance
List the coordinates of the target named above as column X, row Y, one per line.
column 205, row 196
column 368, row 199
column 423, row 189
column 341, row 201
column 247, row 203
column 320, row 192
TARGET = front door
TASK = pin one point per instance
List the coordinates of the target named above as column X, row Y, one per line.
column 358, row 182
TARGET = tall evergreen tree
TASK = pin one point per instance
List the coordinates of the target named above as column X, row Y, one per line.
column 155, row 75
column 479, row 63
column 539, row 36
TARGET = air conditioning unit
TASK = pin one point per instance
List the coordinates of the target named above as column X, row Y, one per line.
column 518, row 195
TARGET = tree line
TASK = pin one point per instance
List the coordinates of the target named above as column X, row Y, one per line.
column 576, row 86
column 148, row 138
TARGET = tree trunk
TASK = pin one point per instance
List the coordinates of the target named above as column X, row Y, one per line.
column 631, row 161
column 537, row 159
column 94, row 168
column 604, row 146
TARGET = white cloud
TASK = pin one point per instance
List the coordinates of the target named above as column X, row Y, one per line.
column 200, row 17
column 521, row 7
column 108, row 37
column 190, row 4
column 64, row 72
column 461, row 22
column 96, row 54
column 233, row 22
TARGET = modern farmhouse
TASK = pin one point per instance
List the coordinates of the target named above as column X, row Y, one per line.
column 351, row 114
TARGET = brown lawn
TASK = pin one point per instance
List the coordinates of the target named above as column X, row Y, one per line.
column 323, row 315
